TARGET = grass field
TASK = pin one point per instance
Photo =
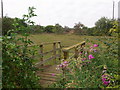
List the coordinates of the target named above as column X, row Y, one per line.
column 66, row 40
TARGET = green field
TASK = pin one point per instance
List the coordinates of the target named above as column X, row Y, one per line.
column 66, row 40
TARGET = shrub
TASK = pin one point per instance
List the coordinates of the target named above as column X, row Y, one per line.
column 18, row 69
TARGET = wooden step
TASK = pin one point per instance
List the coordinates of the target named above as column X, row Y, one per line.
column 48, row 79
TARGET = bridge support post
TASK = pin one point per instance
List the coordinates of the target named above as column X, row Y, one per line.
column 76, row 53
column 59, row 46
column 66, row 54
column 41, row 53
column 54, row 52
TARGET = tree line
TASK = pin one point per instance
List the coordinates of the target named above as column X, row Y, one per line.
column 102, row 27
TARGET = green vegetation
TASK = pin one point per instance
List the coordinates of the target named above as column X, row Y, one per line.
column 97, row 68
column 18, row 70
column 101, row 28
column 96, row 62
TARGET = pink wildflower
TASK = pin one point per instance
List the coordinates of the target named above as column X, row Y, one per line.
column 80, row 52
column 90, row 57
column 91, row 50
column 95, row 50
column 53, row 74
column 91, row 47
column 88, row 62
column 60, row 65
column 83, row 59
column 104, row 80
column 89, row 43
column 65, row 62
column 95, row 45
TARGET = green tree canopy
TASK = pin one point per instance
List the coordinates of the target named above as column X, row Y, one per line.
column 78, row 28
column 103, row 26
column 58, row 28
column 7, row 24
column 49, row 29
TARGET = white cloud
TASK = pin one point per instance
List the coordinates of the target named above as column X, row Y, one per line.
column 65, row 12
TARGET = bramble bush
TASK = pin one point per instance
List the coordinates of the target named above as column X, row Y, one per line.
column 96, row 68
column 18, row 69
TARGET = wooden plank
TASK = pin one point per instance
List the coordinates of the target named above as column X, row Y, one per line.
column 46, row 60
column 72, row 56
column 66, row 50
column 71, row 47
column 49, row 51
column 48, row 76
column 48, row 79
column 33, row 45
column 46, row 43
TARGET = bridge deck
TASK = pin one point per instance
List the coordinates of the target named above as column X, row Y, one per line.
column 49, row 75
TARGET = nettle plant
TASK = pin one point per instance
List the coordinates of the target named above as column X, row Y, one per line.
column 18, row 69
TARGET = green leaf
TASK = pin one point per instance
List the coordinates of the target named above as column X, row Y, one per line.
column 117, row 77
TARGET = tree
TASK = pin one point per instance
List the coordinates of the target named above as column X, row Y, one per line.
column 7, row 24
column 103, row 26
column 66, row 29
column 37, row 29
column 49, row 29
column 78, row 28
column 58, row 28
column 115, row 29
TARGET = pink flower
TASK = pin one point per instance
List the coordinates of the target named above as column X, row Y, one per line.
column 95, row 45
column 80, row 52
column 89, row 43
column 60, row 65
column 104, row 75
column 95, row 50
column 103, row 79
column 53, row 74
column 106, row 82
column 91, row 47
column 83, row 59
column 91, row 50
column 90, row 57
column 65, row 62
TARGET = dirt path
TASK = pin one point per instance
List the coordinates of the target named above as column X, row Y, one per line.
column 49, row 75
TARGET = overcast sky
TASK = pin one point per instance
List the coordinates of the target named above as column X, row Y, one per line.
column 64, row 12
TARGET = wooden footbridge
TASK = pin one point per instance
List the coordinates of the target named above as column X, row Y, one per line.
column 48, row 73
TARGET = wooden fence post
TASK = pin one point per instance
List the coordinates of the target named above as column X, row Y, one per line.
column 41, row 53
column 59, row 46
column 54, row 51
column 66, row 54
column 76, row 53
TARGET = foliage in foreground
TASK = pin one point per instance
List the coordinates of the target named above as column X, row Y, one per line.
column 98, row 67
column 18, row 69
